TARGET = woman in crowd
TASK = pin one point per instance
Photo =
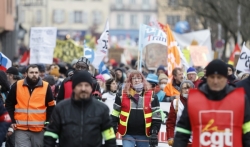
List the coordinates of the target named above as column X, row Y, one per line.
column 132, row 114
column 176, row 108
column 101, row 81
column 109, row 96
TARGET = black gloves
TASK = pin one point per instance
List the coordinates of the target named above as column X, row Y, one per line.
column 153, row 140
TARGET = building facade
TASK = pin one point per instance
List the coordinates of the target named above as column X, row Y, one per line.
column 73, row 17
column 127, row 15
column 171, row 11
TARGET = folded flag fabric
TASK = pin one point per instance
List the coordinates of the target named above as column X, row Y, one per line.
column 5, row 62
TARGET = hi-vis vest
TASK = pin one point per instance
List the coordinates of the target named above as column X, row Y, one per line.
column 125, row 111
column 217, row 123
column 67, row 89
column 30, row 110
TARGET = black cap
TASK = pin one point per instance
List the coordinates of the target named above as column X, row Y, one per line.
column 12, row 70
column 216, row 67
column 81, row 76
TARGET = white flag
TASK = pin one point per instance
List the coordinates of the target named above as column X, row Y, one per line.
column 244, row 60
column 103, row 41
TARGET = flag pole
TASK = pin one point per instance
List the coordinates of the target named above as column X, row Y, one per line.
column 140, row 49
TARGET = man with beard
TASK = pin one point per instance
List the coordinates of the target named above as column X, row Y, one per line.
column 84, row 120
column 30, row 104
column 66, row 86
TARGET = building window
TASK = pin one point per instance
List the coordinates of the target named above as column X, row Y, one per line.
column 146, row 19
column 97, row 17
column 120, row 20
column 145, row 4
column 58, row 16
column 173, row 3
column 119, row 4
column 78, row 17
column 173, row 19
column 38, row 16
column 133, row 20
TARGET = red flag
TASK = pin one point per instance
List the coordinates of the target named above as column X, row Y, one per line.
column 26, row 58
column 235, row 51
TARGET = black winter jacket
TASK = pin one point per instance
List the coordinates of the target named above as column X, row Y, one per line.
column 182, row 139
column 79, row 124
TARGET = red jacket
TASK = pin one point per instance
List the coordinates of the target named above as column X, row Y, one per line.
column 171, row 121
column 197, row 82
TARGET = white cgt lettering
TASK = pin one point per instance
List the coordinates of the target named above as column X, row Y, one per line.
column 216, row 139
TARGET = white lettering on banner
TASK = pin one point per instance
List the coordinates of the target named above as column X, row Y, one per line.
column 216, row 139
column 244, row 60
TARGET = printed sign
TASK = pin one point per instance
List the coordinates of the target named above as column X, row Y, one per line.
column 42, row 44
column 244, row 60
column 103, row 41
column 67, row 50
column 199, row 55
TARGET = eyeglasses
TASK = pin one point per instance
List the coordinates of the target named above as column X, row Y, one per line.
column 136, row 78
column 186, row 88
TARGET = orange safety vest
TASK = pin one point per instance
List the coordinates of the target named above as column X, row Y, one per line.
column 30, row 110
column 217, row 123
column 125, row 111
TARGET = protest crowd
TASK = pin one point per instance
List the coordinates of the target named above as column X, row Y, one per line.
column 80, row 104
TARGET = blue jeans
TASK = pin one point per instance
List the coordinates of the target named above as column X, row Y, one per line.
column 131, row 142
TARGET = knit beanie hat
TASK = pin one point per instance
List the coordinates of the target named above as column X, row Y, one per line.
column 161, row 67
column 12, row 70
column 55, row 72
column 81, row 76
column 100, row 77
column 152, row 78
column 188, row 82
column 162, row 76
column 216, row 66
column 201, row 74
column 191, row 70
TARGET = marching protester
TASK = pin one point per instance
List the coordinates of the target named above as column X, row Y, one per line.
column 13, row 75
column 192, row 76
column 176, row 108
column 153, row 81
column 172, row 89
column 5, row 122
column 4, row 86
column 109, row 96
column 83, row 121
column 66, row 86
column 231, row 77
column 30, row 104
column 101, row 81
column 119, row 77
column 212, row 115
column 135, row 113
column 160, row 70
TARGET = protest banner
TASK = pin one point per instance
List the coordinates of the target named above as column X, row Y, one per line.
column 244, row 60
column 42, row 44
column 67, row 50
column 200, row 38
column 199, row 55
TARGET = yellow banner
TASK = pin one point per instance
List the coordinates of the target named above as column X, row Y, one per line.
column 67, row 50
column 186, row 53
